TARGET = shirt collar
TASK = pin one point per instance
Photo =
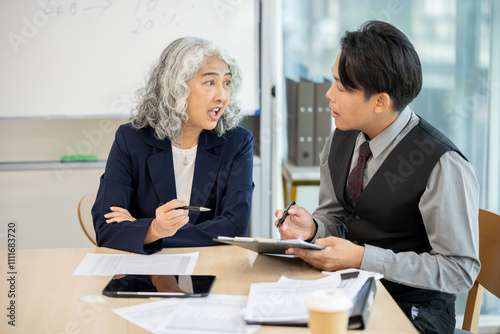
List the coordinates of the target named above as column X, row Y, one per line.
column 383, row 139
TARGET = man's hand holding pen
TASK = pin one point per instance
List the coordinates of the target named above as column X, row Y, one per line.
column 298, row 223
column 337, row 254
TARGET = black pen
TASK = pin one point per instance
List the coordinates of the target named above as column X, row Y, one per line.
column 190, row 208
column 282, row 220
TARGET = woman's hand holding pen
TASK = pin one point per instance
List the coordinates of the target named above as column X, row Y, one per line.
column 298, row 224
column 168, row 220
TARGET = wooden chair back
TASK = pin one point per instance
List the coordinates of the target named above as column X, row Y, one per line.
column 85, row 217
column 489, row 276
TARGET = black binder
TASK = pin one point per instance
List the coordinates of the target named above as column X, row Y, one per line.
column 322, row 118
column 291, row 118
column 360, row 312
column 300, row 121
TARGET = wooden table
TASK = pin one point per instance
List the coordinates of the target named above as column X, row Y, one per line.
column 48, row 296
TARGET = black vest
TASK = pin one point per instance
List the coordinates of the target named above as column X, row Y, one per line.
column 387, row 213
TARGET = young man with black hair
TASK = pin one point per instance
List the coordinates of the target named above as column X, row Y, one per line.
column 396, row 196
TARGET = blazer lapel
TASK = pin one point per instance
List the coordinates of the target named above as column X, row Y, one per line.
column 161, row 170
column 206, row 170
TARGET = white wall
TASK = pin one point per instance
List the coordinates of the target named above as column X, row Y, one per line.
column 43, row 203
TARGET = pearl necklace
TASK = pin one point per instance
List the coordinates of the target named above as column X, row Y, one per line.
column 184, row 150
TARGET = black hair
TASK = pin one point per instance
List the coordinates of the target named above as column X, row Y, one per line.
column 378, row 58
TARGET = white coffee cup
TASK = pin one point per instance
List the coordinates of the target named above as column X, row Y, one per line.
column 328, row 311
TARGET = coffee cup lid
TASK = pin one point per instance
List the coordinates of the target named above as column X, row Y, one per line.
column 328, row 300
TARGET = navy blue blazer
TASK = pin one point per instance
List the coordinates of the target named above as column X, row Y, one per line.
column 139, row 175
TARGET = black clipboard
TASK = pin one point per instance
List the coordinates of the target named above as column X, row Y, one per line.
column 274, row 247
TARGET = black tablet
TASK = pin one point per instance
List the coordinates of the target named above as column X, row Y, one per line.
column 159, row 286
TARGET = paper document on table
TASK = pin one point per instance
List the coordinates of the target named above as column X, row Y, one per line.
column 136, row 264
column 285, row 300
column 148, row 315
column 212, row 314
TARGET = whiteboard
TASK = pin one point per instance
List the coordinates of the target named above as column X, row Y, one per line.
column 87, row 58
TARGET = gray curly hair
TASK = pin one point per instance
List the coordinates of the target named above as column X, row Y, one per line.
column 162, row 102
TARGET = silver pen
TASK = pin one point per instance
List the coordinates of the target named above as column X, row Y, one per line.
column 190, row 208
column 193, row 208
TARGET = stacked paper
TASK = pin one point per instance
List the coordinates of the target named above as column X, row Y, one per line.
column 284, row 302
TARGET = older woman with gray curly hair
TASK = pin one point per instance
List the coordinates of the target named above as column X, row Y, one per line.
column 182, row 146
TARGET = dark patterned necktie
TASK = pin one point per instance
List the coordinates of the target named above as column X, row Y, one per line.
column 355, row 181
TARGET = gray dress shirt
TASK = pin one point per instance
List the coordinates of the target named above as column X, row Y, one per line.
column 449, row 208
